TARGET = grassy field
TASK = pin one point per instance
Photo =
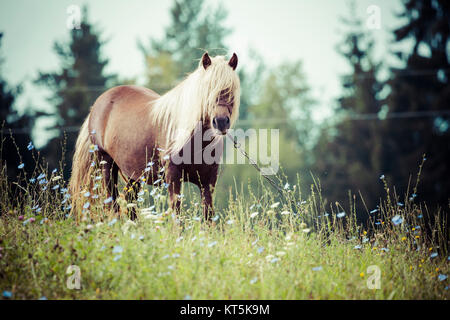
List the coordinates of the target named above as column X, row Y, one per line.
column 257, row 248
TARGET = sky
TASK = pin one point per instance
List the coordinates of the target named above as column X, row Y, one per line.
column 279, row 31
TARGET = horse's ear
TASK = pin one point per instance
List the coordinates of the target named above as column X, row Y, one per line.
column 206, row 60
column 233, row 61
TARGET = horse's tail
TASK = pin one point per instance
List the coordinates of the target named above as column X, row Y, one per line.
column 81, row 167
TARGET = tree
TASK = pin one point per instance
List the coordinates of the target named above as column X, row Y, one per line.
column 422, row 89
column 193, row 29
column 20, row 125
column 348, row 156
column 76, row 85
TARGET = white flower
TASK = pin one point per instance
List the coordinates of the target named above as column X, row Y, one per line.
column 285, row 212
column 276, row 204
column 254, row 214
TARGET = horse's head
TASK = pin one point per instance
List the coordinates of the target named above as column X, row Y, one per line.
column 223, row 92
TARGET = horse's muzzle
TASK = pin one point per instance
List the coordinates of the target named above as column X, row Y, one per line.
column 222, row 124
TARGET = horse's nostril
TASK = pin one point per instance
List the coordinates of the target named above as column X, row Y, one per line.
column 228, row 120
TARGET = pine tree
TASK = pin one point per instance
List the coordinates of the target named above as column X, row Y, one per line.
column 422, row 89
column 348, row 154
column 76, row 86
column 20, row 125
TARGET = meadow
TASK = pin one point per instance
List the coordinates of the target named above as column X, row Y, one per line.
column 261, row 246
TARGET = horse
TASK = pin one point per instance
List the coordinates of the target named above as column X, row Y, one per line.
column 132, row 129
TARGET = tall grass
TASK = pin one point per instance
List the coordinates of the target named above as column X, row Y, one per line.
column 261, row 246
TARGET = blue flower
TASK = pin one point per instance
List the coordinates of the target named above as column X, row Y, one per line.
column 56, row 187
column 434, row 255
column 109, row 200
column 54, row 170
column 117, row 257
column 385, row 249
column 87, row 194
column 112, row 222
column 86, row 205
column 151, row 163
column 397, row 219
column 374, row 211
column 215, row 218
column 340, row 215
column 117, row 249
column 317, row 268
column 41, row 176
column 32, row 180
column 420, row 216
column 42, row 181
column 30, row 146
column 7, row 294
column 20, row 166
column 147, row 169
column 357, row 246
column 400, row 204
column 260, row 249
column 442, row 277
column 212, row 244
column 382, row 177
column 274, row 260
column 43, row 298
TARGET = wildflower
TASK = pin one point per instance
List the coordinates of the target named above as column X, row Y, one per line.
column 86, row 205
column 108, row 200
column 30, row 146
column 403, row 238
column 358, row 246
column 179, row 239
column 93, row 131
column 56, row 178
column 41, row 176
column 433, row 255
column 21, row 218
column 187, row 297
column 162, row 169
column 280, row 253
column 140, row 199
column 340, row 214
column 98, row 178
column 87, row 194
column 274, row 260
column 442, row 277
column 95, row 196
column 141, row 238
column 374, row 211
column 215, row 218
column 260, row 249
column 93, row 164
column 306, row 230
column 285, row 212
column 117, row 249
column 212, row 244
column 147, row 169
column 254, row 214
column 20, row 166
column 157, row 181
column 397, row 220
column 171, row 267
column 32, row 180
column 230, row 221
column 43, row 298
column 276, row 204
column 420, row 216
column 117, row 257
column 7, row 294
column 286, row 186
column 317, row 268
column 112, row 222
column 166, row 157
column 400, row 204
column 385, row 249
column 382, row 177
column 361, row 274
column 103, row 162
column 151, row 163
column 54, row 171
column 253, row 281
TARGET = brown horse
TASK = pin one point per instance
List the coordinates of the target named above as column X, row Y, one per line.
column 141, row 134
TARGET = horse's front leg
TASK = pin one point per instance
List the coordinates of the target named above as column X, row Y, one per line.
column 208, row 209
column 173, row 178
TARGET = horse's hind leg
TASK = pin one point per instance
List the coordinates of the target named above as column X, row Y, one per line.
column 110, row 172
column 131, row 196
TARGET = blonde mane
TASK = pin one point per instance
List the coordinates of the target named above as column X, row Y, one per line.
column 179, row 111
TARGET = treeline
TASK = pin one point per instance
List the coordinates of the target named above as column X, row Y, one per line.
column 379, row 128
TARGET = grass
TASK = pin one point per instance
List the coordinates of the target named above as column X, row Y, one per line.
column 256, row 248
